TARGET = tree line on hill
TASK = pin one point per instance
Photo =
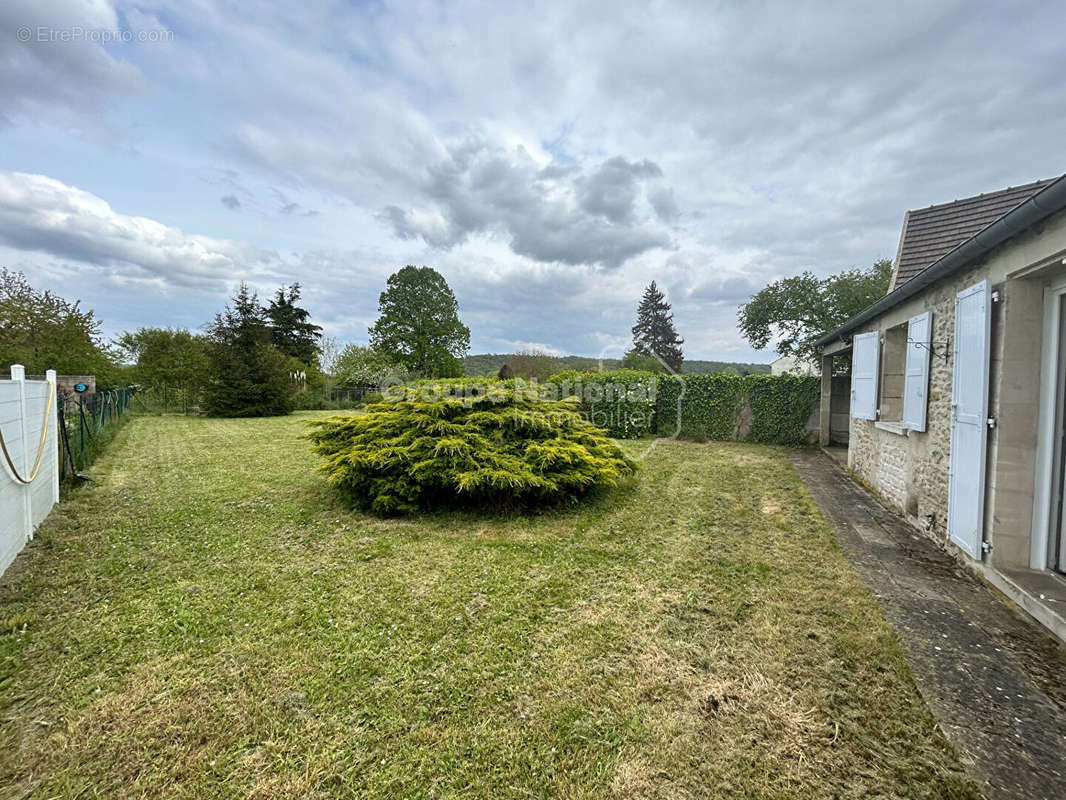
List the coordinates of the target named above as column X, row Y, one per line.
column 487, row 364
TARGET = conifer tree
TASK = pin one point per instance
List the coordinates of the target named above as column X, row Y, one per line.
column 501, row 450
column 248, row 376
column 654, row 333
column 292, row 332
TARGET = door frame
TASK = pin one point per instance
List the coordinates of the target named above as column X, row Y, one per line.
column 1048, row 452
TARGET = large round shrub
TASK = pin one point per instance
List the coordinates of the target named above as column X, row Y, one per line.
column 500, row 450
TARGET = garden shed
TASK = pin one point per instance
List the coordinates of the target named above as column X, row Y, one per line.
column 958, row 387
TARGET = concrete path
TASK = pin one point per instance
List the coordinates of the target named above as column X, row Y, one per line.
column 994, row 679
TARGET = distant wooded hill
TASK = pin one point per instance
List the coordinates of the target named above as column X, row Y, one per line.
column 490, row 363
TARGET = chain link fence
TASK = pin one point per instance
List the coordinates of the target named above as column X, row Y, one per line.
column 87, row 422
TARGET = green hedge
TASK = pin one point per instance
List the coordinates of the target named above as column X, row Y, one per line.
column 780, row 407
column 710, row 405
column 620, row 401
column 628, row 404
column 772, row 409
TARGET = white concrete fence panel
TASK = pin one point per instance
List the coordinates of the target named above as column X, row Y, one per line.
column 29, row 485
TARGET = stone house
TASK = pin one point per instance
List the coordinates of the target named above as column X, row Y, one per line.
column 958, row 387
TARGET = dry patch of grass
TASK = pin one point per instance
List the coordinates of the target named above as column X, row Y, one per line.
column 204, row 620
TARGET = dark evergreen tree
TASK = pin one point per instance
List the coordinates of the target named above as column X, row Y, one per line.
column 292, row 332
column 654, row 333
column 248, row 376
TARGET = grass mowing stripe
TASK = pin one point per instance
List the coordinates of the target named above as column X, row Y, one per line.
column 205, row 620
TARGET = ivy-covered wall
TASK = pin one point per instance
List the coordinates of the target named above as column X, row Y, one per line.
column 622, row 401
column 772, row 409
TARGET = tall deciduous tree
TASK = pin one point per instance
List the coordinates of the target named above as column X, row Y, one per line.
column 248, row 376
column 292, row 331
column 796, row 311
column 43, row 331
column 418, row 324
column 654, row 334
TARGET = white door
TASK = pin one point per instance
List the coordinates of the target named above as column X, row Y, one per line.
column 969, row 418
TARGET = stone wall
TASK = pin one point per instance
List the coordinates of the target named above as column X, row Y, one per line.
column 909, row 469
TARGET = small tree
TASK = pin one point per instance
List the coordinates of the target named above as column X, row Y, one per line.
column 248, row 376
column 167, row 357
column 654, row 333
column 329, row 350
column 42, row 331
column 797, row 310
column 534, row 364
column 496, row 451
column 290, row 327
column 419, row 325
column 359, row 365
column 634, row 360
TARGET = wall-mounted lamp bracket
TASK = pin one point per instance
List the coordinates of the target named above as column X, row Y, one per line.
column 938, row 349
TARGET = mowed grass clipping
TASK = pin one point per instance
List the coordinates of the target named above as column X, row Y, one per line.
column 206, row 620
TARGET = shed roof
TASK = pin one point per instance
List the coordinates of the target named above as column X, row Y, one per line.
column 929, row 233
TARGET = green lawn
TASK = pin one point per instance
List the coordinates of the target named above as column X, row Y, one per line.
column 204, row 620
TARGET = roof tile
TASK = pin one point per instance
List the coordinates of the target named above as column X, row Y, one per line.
column 932, row 232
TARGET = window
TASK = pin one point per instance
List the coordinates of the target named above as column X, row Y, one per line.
column 890, row 374
column 893, row 374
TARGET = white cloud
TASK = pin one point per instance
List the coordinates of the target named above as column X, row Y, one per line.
column 41, row 214
column 519, row 346
column 49, row 78
column 549, row 161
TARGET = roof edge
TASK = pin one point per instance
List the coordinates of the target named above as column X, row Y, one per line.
column 1047, row 201
column 899, row 248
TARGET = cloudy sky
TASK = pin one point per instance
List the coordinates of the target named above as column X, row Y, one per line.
column 548, row 159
